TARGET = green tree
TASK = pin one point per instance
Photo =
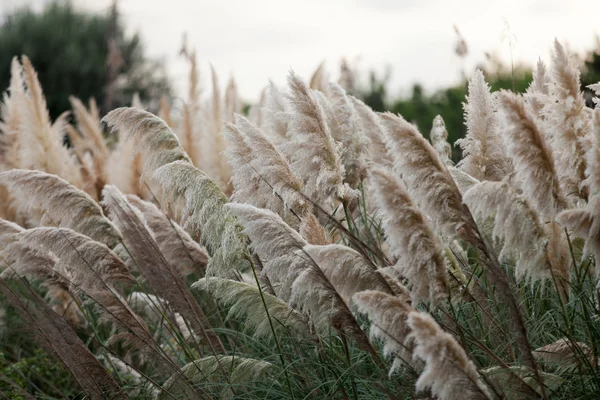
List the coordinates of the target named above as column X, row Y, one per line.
column 70, row 50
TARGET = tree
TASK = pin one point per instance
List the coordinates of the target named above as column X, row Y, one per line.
column 71, row 51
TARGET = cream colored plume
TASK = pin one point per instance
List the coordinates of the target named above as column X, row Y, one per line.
column 182, row 183
column 10, row 141
column 41, row 142
column 90, row 264
column 537, row 92
column 204, row 212
column 189, row 132
column 348, row 131
column 233, row 104
column 483, row 151
column 388, row 315
column 179, row 249
column 275, row 243
column 544, row 255
column 214, row 161
column 248, row 185
column 60, row 203
column 151, row 135
column 320, row 79
column 312, row 230
column 412, row 240
column 124, row 166
column 568, row 123
column 348, row 271
column 273, row 168
column 245, row 304
column 275, row 115
column 449, row 373
column 24, row 260
column 427, row 178
column 592, row 172
column 312, row 150
column 463, row 180
column 288, row 267
column 565, row 351
column 226, row 372
column 532, row 158
column 585, row 223
column 439, row 140
column 371, row 126
column 89, row 144
column 11, row 119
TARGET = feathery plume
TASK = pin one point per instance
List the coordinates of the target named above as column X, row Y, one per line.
column 538, row 257
column 388, row 315
column 463, row 180
column 88, row 142
column 124, row 167
column 427, row 178
column 233, row 104
column 242, row 299
column 533, row 161
column 188, row 134
column 347, row 270
column 347, row 130
column 564, row 350
column 273, row 167
column 372, row 127
column 313, row 151
column 429, row 182
column 23, row 260
column 568, row 123
column 94, row 270
column 439, row 140
column 89, row 126
column 274, row 242
column 209, row 371
column 62, row 203
column 10, row 119
column 153, row 138
column 592, row 172
column 448, row 371
column 276, row 117
column 585, row 223
column 288, row 267
column 163, row 278
column 204, row 212
column 537, row 92
column 248, row 185
column 312, row 230
column 319, row 79
column 483, row 151
column 41, row 142
column 413, row 243
column 90, row 264
column 179, row 249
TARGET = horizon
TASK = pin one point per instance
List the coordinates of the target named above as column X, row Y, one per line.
column 263, row 41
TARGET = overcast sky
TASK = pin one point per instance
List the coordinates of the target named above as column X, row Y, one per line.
column 257, row 40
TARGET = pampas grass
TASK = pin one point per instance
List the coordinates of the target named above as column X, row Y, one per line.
column 309, row 249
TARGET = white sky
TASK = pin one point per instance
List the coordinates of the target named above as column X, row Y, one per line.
column 257, row 40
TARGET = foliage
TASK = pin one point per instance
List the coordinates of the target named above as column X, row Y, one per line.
column 70, row 48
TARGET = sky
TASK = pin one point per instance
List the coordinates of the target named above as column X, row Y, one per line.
column 258, row 40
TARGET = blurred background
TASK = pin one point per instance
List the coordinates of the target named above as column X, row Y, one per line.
column 407, row 56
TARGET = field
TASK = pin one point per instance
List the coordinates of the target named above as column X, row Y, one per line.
column 309, row 248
